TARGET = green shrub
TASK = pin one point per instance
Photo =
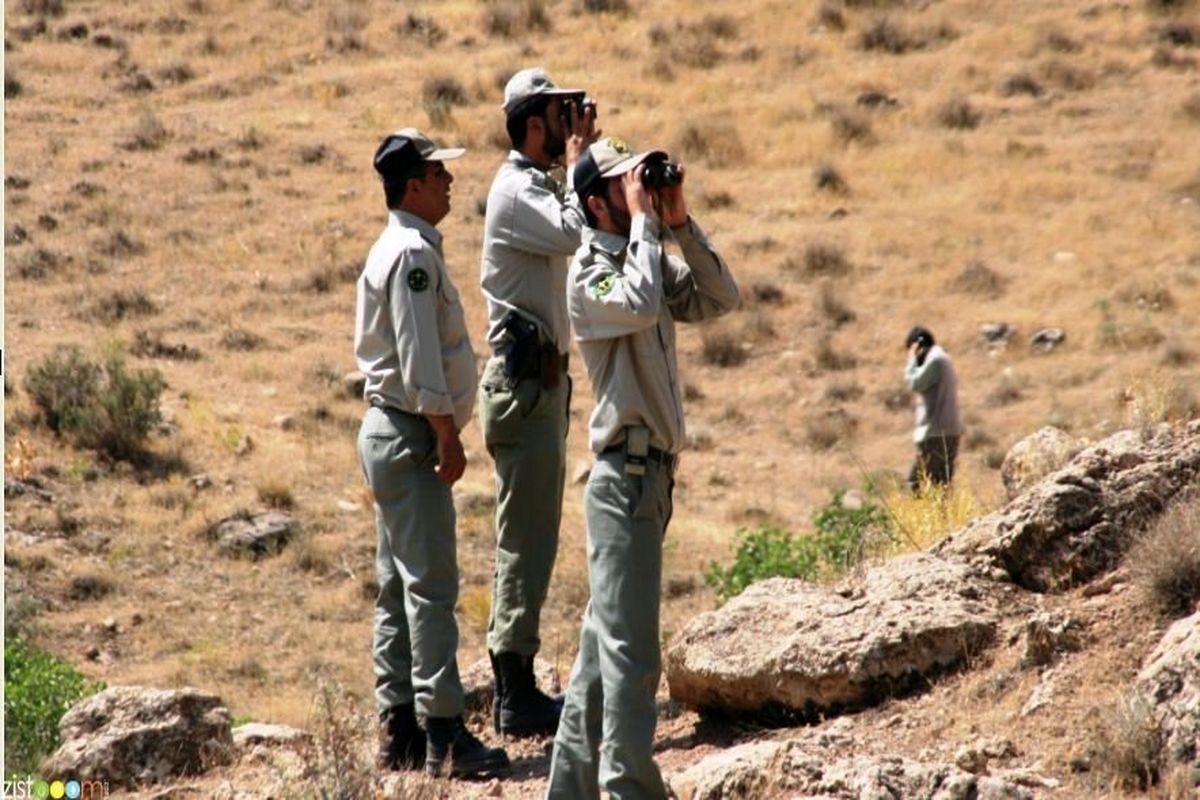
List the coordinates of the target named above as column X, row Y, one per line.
column 836, row 544
column 38, row 690
column 102, row 406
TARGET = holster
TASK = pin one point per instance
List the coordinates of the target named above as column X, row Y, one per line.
column 523, row 357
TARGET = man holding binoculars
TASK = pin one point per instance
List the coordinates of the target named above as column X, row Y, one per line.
column 624, row 295
column 531, row 227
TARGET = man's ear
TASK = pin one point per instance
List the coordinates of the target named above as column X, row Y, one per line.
column 598, row 206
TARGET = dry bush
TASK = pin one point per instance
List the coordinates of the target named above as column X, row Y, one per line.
column 757, row 326
column 843, row 391
column 1127, row 744
column 1164, row 561
column 421, row 28
column 345, row 26
column 1167, row 58
column 822, row 258
column 439, row 95
column 850, row 126
column 12, row 86
column 43, row 8
column 831, row 307
column 337, row 763
column 276, row 494
column 250, row 139
column 152, row 345
column 1157, row 397
column 513, row 19
column 979, row 279
column 122, row 304
column 604, row 6
column 1021, row 83
column 719, row 199
column 40, row 263
column 767, row 294
column 957, row 113
column 721, row 349
column 1179, row 34
column 1177, row 354
column 697, row 44
column 1191, row 107
column 923, row 519
column 827, row 178
column 120, row 245
column 1060, row 42
column 832, row 15
column 90, row 586
column 148, row 133
column 715, row 140
column 1065, row 76
column 1167, row 6
column 825, row 430
column 239, row 339
column 1005, row 394
column 827, row 358
column 309, row 554
column 883, row 34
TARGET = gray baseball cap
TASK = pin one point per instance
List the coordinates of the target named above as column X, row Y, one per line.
column 404, row 148
column 609, row 157
column 532, row 82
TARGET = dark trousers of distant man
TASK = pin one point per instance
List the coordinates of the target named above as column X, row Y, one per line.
column 934, row 462
column 605, row 739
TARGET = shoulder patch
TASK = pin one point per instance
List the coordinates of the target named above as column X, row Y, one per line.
column 418, row 279
column 604, row 286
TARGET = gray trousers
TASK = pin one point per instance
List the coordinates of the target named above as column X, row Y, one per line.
column 525, row 430
column 606, row 735
column 416, row 634
column 934, row 461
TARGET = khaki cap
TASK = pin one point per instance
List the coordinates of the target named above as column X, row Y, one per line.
column 608, row 158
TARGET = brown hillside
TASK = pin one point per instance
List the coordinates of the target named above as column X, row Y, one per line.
column 196, row 173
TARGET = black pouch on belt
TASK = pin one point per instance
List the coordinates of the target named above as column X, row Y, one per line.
column 552, row 366
column 523, row 357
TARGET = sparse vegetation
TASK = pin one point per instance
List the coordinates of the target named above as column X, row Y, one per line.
column 122, row 304
column 240, row 340
column 102, row 405
column 345, row 26
column 722, row 349
column 841, row 536
column 1127, row 743
column 276, row 494
column 957, row 113
column 715, row 141
column 148, row 133
column 851, row 126
column 919, row 521
column 827, row 178
column 441, row 94
column 1021, row 83
column 422, row 28
column 1165, row 559
column 822, row 258
column 831, row 307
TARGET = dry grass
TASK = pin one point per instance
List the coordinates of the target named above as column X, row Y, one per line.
column 921, row 520
column 1127, row 744
column 1165, row 560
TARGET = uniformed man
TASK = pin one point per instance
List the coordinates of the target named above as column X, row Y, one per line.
column 624, row 295
column 532, row 226
column 930, row 374
column 411, row 342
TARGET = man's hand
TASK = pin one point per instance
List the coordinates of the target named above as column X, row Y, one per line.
column 581, row 131
column 452, row 460
column 636, row 197
column 671, row 205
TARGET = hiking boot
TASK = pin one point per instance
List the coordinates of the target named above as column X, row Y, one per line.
column 452, row 749
column 401, row 740
column 524, row 710
column 497, row 693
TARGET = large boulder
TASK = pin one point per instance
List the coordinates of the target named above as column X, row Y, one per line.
column 1079, row 521
column 130, row 735
column 788, row 647
column 788, row 769
column 1170, row 680
column 1035, row 457
column 255, row 535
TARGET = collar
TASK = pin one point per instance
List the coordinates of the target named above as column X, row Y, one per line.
column 611, row 243
column 406, row 220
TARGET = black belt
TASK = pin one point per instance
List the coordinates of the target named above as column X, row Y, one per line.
column 660, row 457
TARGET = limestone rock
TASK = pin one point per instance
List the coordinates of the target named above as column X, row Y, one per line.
column 255, row 535
column 788, row 769
column 130, row 735
column 1047, row 339
column 787, row 646
column 1035, row 457
column 1046, row 635
column 1077, row 522
column 1170, row 679
column 253, row 734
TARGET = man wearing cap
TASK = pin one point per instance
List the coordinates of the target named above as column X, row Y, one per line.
column 532, row 225
column 410, row 340
column 930, row 375
column 624, row 296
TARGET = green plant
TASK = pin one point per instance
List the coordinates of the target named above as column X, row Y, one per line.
column 838, row 542
column 38, row 690
column 101, row 405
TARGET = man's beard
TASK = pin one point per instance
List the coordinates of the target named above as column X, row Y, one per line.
column 555, row 144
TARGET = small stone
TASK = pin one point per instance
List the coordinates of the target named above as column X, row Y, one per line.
column 201, row 482
column 285, row 422
column 346, row 507
column 997, row 334
column 971, row 760
column 1047, row 339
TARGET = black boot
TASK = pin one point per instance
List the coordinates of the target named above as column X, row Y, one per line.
column 451, row 747
column 497, row 693
column 524, row 709
column 401, row 740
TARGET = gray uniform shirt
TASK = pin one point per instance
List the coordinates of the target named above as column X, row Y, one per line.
column 624, row 296
column 529, row 232
column 937, row 408
column 410, row 337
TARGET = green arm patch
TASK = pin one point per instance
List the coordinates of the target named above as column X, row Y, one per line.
column 418, row 279
column 604, row 286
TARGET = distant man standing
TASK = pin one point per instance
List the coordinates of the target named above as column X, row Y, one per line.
column 410, row 340
column 624, row 296
column 930, row 374
column 532, row 225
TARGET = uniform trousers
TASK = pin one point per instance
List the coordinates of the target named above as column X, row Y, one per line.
column 525, row 429
column 934, row 462
column 606, row 735
column 416, row 563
